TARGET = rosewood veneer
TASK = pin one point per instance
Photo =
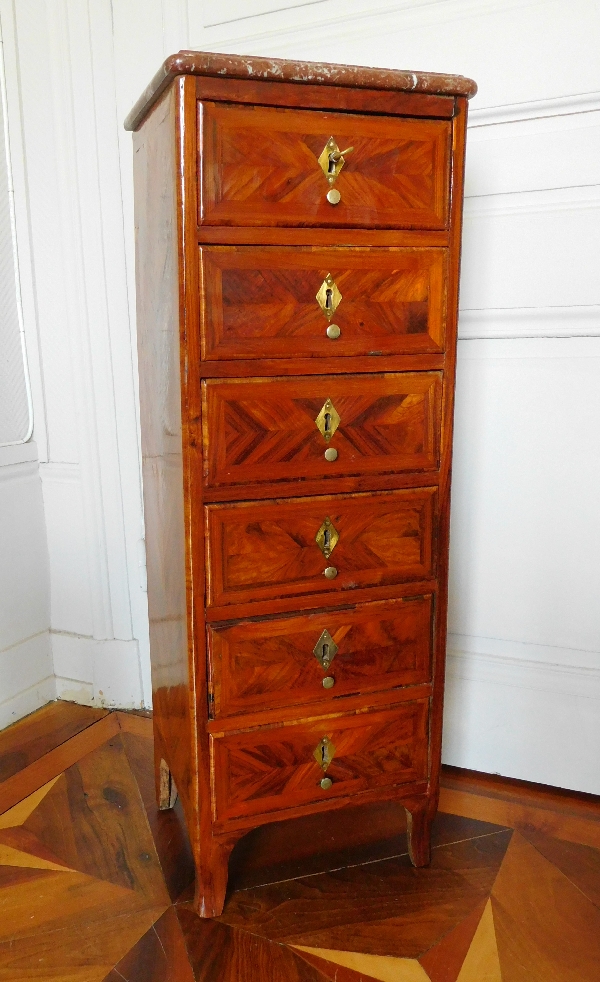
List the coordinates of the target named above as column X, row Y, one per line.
column 298, row 242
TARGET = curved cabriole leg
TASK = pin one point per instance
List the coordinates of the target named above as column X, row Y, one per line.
column 419, row 814
column 211, row 875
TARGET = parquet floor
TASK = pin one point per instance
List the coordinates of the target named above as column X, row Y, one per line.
column 95, row 883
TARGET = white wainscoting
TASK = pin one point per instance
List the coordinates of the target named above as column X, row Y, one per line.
column 26, row 672
column 525, row 520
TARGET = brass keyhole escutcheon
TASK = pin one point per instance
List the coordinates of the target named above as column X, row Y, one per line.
column 328, row 420
column 328, row 296
column 327, row 538
column 324, row 753
column 331, row 160
column 325, row 650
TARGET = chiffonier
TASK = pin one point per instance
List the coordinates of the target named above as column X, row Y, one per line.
column 298, row 241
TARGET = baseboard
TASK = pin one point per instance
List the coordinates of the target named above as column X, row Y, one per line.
column 97, row 672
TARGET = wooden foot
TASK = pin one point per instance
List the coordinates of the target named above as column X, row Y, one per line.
column 419, row 814
column 166, row 792
column 211, row 876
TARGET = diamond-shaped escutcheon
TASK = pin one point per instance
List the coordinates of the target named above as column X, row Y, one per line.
column 325, row 650
column 328, row 420
column 327, row 537
column 324, row 753
column 328, row 297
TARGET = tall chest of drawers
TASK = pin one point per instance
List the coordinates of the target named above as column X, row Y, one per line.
column 298, row 241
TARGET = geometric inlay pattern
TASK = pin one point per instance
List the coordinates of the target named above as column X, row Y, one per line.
column 95, row 886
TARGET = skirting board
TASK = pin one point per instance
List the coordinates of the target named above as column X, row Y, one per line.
column 509, row 712
column 97, row 672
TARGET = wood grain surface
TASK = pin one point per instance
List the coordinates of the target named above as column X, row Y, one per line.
column 271, row 663
column 265, row 430
column 261, row 302
column 264, row 169
column 256, row 551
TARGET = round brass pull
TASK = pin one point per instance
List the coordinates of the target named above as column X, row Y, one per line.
column 333, row 196
column 330, row 573
column 326, row 783
column 333, row 332
column 328, row 682
column 331, row 453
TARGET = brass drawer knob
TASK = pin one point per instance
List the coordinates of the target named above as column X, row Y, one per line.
column 334, row 197
column 330, row 573
column 326, row 783
column 333, row 332
column 328, row 682
column 331, row 454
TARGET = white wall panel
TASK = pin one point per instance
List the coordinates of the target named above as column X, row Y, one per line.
column 525, row 522
column 531, row 249
column 24, row 593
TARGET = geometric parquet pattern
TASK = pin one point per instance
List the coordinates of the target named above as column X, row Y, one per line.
column 95, row 883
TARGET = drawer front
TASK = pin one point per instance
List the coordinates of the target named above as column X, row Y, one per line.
column 269, row 550
column 258, row 430
column 264, row 664
column 262, row 302
column 277, row 768
column 261, row 167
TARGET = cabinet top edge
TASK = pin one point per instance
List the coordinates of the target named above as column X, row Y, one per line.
column 298, row 72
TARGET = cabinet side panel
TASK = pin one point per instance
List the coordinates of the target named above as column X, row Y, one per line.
column 158, row 306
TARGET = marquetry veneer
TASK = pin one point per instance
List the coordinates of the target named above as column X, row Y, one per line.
column 298, row 242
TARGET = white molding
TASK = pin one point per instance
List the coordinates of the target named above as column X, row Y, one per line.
column 28, row 701
column 533, row 202
column 26, row 677
column 346, row 18
column 18, row 470
column 530, row 322
column 21, row 453
column 568, row 105
column 571, row 679
column 61, row 473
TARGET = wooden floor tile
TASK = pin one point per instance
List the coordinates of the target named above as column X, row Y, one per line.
column 94, row 821
column 40, row 771
column 31, row 738
column 159, row 956
column 481, row 963
column 385, row 908
column 331, row 971
column 222, row 954
column 546, row 930
column 583, row 828
column 580, row 864
column 443, row 961
column 167, row 827
column 320, row 843
column 380, row 967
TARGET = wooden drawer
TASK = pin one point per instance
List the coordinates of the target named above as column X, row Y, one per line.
column 273, row 769
column 260, row 430
column 260, row 166
column 262, row 302
column 268, row 550
column 266, row 664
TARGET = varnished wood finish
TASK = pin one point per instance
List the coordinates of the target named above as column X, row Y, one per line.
column 261, row 303
column 95, row 884
column 259, row 430
column 264, row 169
column 255, row 664
column 235, row 237
column 258, row 552
column 33, row 737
